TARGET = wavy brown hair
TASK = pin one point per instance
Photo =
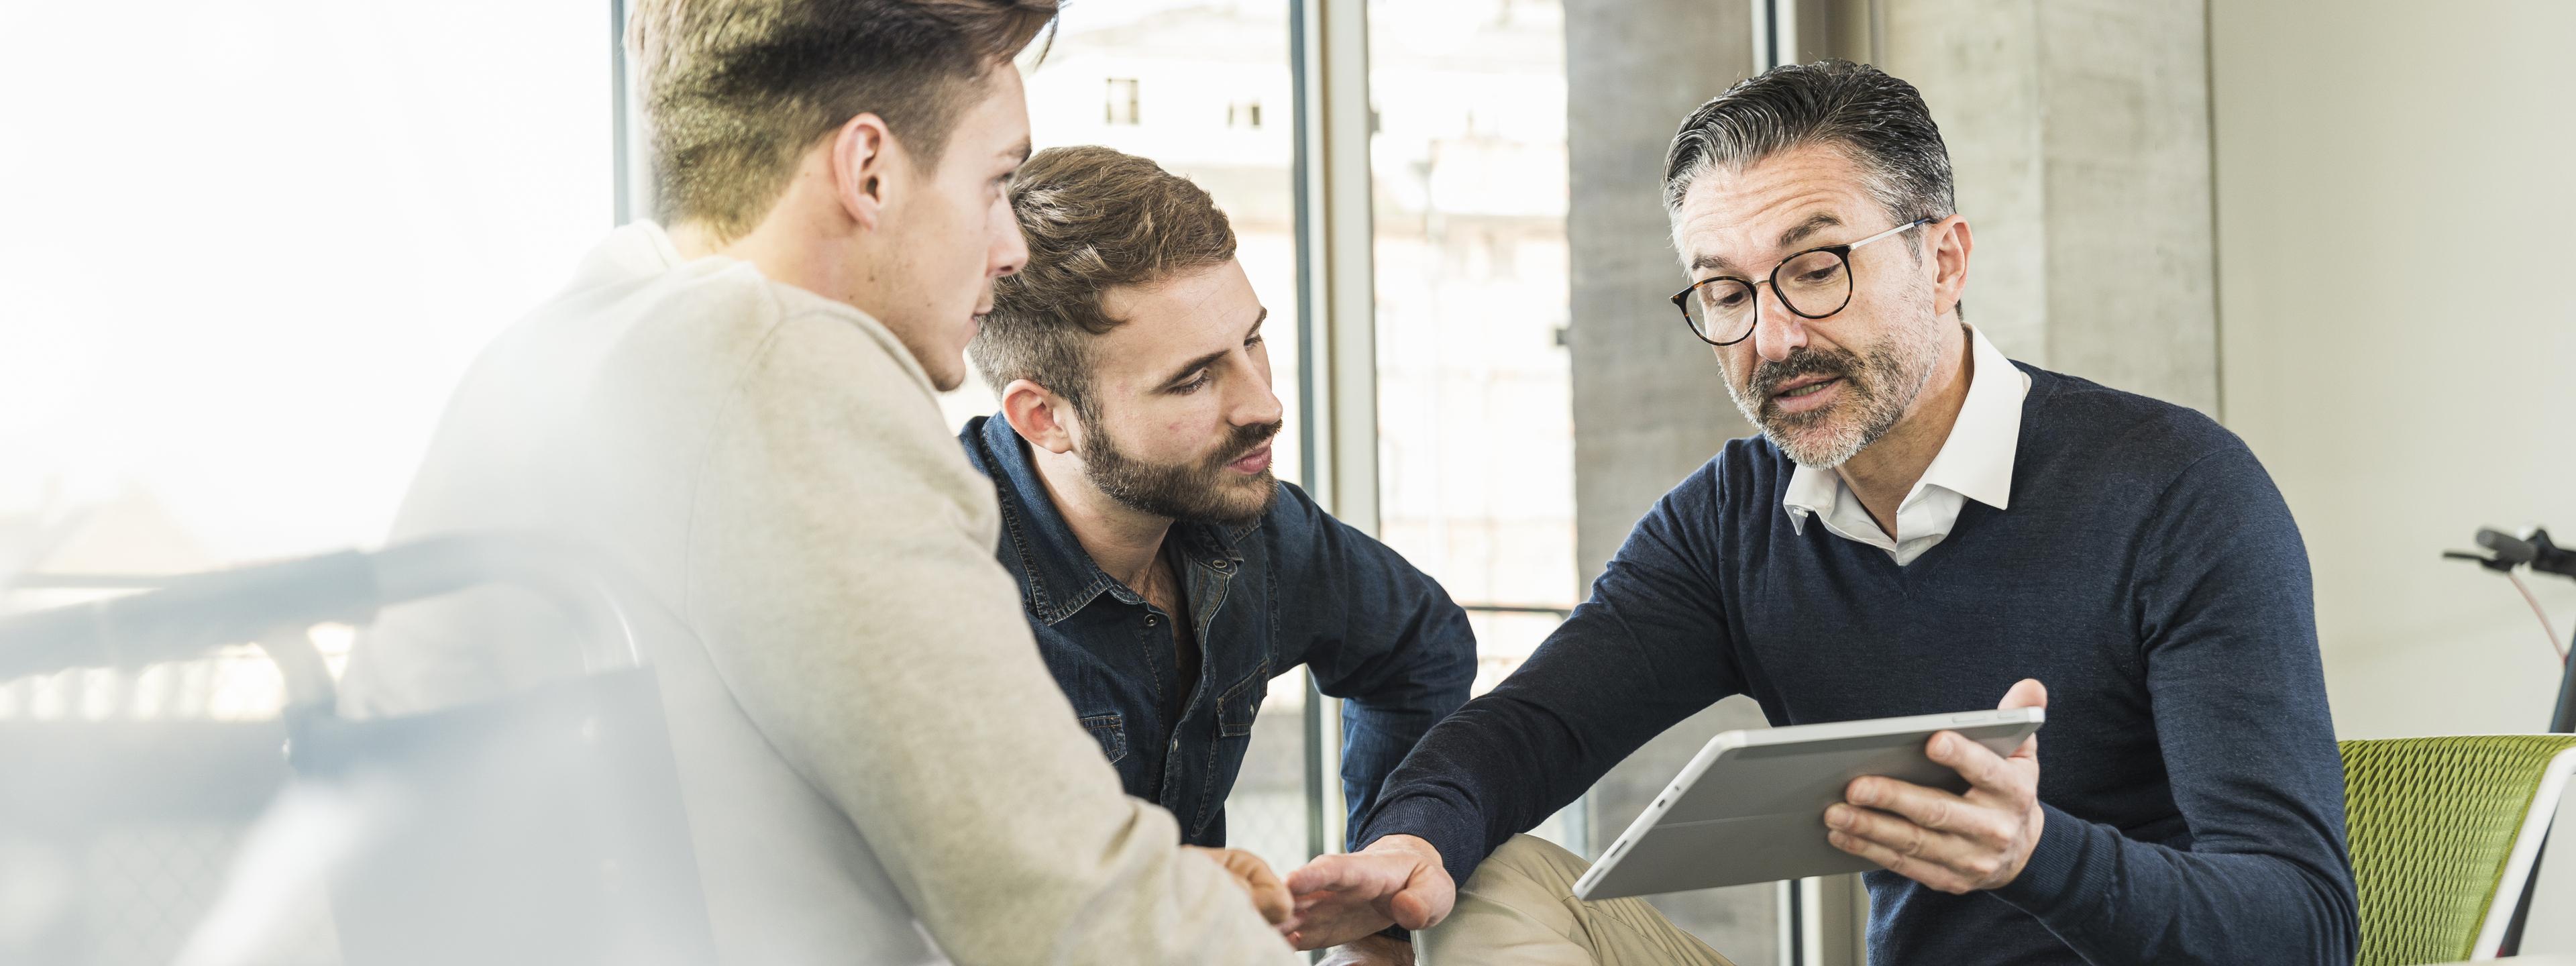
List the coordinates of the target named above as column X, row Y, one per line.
column 1095, row 219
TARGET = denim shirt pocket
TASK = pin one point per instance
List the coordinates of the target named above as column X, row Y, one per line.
column 1235, row 710
column 1240, row 704
column 1111, row 731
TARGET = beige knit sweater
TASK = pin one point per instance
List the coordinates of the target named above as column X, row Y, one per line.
column 869, row 748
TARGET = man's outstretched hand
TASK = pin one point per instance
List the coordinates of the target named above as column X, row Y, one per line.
column 1954, row 843
column 1396, row 880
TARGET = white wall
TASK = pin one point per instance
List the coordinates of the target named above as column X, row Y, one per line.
column 2396, row 190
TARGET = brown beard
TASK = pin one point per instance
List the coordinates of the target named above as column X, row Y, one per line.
column 1201, row 491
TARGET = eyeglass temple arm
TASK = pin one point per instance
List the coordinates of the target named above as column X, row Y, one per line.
column 1891, row 231
column 1758, row 283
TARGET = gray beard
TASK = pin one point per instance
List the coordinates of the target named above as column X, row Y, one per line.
column 1879, row 384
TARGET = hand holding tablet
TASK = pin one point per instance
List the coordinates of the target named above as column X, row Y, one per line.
column 1955, row 842
column 1752, row 806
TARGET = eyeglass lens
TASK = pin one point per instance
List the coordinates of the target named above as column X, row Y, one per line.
column 1814, row 284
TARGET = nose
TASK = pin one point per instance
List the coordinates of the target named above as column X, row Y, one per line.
column 1255, row 404
column 1010, row 249
column 1776, row 330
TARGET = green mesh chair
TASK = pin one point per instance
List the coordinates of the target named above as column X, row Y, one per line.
column 2444, row 832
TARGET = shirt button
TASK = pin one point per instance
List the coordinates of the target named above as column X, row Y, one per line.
column 1149, row 620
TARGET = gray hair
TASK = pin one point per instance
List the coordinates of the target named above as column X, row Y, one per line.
column 1880, row 122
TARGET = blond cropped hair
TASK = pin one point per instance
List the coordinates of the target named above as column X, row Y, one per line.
column 735, row 91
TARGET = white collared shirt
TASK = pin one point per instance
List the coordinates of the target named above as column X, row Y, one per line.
column 1975, row 463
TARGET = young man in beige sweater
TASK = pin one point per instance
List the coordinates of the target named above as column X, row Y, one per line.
column 875, row 765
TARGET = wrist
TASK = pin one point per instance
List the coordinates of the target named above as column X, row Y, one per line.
column 2032, row 828
column 1413, row 845
column 2064, row 862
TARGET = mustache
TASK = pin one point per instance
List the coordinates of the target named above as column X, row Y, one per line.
column 1801, row 363
column 1244, row 440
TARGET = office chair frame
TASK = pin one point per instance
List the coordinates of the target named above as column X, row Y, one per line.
column 2517, row 876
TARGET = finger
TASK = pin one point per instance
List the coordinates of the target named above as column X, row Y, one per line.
column 1320, row 906
column 1268, row 894
column 2025, row 754
column 1246, row 865
column 1918, row 844
column 1231, row 860
column 1271, row 900
column 1253, row 875
column 1982, row 768
column 1335, row 926
column 1929, row 807
column 1893, row 861
column 1340, row 872
column 2025, row 693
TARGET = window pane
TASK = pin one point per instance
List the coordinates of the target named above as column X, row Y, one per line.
column 241, row 321
column 1475, row 424
column 254, row 245
column 259, row 242
column 1203, row 89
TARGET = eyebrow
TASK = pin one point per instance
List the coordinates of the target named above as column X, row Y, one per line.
column 1796, row 233
column 1018, row 153
column 1210, row 359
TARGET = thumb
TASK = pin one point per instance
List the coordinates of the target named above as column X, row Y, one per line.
column 2026, row 693
column 1425, row 900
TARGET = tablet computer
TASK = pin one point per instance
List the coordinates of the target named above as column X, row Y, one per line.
column 1750, row 807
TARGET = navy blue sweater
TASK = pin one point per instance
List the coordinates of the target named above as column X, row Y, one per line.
column 2147, row 572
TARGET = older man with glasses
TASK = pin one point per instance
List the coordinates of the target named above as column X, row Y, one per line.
column 1923, row 526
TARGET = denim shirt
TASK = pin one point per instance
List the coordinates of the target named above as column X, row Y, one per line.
column 1293, row 587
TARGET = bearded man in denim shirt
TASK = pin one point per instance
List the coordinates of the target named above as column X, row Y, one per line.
column 1168, row 575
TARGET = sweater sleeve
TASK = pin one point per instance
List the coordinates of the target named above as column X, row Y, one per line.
column 2228, row 634
column 1647, row 650
column 841, row 576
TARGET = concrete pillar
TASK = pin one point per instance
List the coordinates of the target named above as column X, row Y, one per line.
column 2079, row 138
column 1649, row 406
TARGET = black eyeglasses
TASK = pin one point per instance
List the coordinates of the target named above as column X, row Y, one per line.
column 1814, row 283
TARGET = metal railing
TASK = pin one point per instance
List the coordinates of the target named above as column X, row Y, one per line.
column 134, row 823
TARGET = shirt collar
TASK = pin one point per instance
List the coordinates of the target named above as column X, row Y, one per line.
column 1976, row 461
column 1058, row 578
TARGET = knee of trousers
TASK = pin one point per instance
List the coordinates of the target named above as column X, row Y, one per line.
column 1527, row 862
column 1519, row 896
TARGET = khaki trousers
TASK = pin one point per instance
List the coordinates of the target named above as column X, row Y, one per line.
column 1519, row 909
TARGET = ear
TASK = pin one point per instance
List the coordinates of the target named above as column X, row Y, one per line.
column 864, row 161
column 1043, row 418
column 1950, row 243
